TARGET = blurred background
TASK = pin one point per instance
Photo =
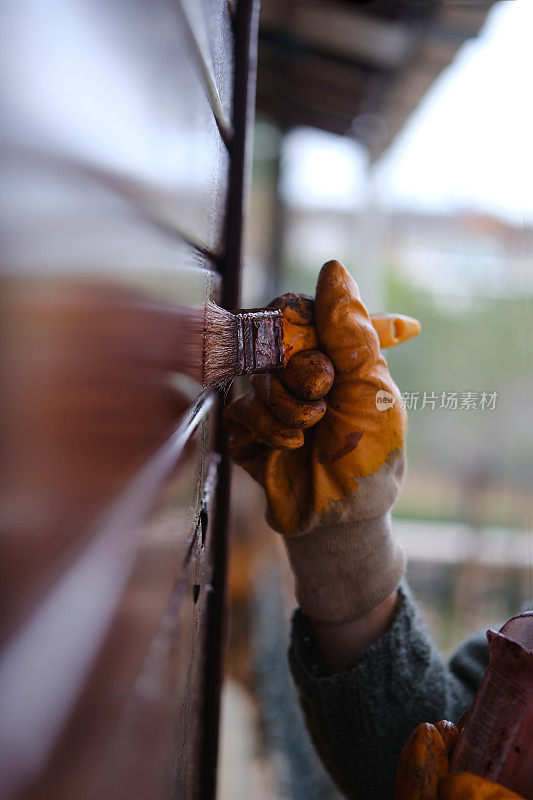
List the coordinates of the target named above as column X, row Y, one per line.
column 434, row 220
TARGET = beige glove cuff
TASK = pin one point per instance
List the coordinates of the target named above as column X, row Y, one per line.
column 343, row 572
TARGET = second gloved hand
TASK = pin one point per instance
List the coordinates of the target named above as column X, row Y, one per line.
column 331, row 468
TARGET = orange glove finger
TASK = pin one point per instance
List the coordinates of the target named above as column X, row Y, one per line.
column 246, row 450
column 248, row 412
column 343, row 325
column 309, row 375
column 286, row 408
column 299, row 309
column 298, row 313
column 466, row 786
column 358, row 435
column 423, row 762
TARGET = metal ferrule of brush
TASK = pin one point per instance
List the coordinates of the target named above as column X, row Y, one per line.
column 259, row 341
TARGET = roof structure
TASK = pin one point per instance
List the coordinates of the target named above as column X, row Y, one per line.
column 357, row 68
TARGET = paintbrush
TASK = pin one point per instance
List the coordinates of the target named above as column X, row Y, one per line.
column 257, row 340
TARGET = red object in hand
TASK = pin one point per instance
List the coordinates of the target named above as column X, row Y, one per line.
column 497, row 740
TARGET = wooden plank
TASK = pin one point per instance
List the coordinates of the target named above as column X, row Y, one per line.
column 209, row 24
column 95, row 376
column 114, row 88
column 245, row 27
column 163, row 718
column 129, row 572
column 112, row 213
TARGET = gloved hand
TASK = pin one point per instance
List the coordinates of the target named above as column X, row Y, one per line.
column 466, row 786
column 332, row 468
column 423, row 774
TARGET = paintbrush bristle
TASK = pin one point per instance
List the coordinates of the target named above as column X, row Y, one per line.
column 221, row 353
column 187, row 342
column 242, row 343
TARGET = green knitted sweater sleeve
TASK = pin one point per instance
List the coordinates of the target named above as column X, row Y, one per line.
column 360, row 719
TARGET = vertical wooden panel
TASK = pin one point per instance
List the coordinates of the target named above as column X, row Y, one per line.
column 113, row 220
column 121, row 734
column 92, row 387
column 124, row 153
column 109, row 90
column 245, row 26
column 209, row 23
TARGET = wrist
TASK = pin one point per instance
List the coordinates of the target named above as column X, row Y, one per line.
column 344, row 572
column 342, row 644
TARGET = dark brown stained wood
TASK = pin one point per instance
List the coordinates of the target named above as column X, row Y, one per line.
column 121, row 206
column 95, row 378
column 246, row 19
column 121, row 740
column 113, row 87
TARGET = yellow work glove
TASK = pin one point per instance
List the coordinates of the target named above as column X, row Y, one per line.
column 331, row 468
column 423, row 774
column 466, row 786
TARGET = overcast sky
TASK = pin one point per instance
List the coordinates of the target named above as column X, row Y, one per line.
column 468, row 145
